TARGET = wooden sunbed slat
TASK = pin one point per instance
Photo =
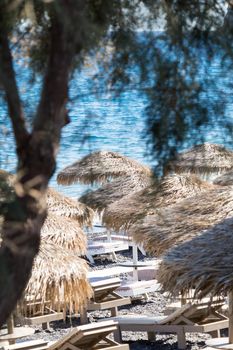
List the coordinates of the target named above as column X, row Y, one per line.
column 28, row 345
column 178, row 322
column 86, row 334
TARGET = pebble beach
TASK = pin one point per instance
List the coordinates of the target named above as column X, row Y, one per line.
column 156, row 305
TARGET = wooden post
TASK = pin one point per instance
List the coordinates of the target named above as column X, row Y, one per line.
column 183, row 298
column 114, row 311
column 181, row 339
column 45, row 325
column 83, row 316
column 109, row 238
column 10, row 324
column 135, row 261
column 151, row 336
column 230, row 306
column 10, row 327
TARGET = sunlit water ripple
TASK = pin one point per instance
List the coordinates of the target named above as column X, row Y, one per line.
column 98, row 122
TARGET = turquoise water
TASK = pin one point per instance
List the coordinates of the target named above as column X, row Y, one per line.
column 99, row 122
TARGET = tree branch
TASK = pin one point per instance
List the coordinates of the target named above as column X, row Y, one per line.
column 51, row 115
column 7, row 78
column 37, row 153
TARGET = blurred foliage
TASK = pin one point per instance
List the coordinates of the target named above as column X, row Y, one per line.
column 170, row 67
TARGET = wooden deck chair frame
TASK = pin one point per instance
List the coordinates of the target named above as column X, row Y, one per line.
column 179, row 322
column 38, row 344
column 91, row 336
column 103, row 287
column 104, row 298
column 105, row 248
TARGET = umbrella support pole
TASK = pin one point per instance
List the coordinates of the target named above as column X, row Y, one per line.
column 10, row 327
column 183, row 299
column 230, row 306
column 135, row 261
column 10, row 324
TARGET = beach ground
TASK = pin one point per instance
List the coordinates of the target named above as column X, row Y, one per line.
column 156, row 305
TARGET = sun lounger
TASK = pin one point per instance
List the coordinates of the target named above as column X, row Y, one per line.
column 145, row 274
column 136, row 288
column 90, row 337
column 35, row 313
column 218, row 343
column 118, row 270
column 99, row 248
column 109, row 272
column 28, row 345
column 201, row 317
column 105, row 297
column 117, row 237
column 181, row 300
column 7, row 338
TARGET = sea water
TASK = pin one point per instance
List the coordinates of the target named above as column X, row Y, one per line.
column 98, row 122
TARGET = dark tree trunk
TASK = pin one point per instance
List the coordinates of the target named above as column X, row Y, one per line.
column 36, row 154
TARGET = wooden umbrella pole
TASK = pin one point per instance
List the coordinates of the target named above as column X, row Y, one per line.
column 230, row 306
column 135, row 261
column 10, row 324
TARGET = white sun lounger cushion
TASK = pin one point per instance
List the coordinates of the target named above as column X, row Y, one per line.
column 148, row 273
column 135, row 319
column 114, row 238
column 138, row 288
column 106, row 247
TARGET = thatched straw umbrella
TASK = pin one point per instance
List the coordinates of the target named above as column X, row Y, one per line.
column 59, row 279
column 204, row 263
column 5, row 175
column 65, row 206
column 203, row 159
column 64, row 232
column 224, row 179
column 6, row 185
column 183, row 221
column 99, row 167
column 172, row 188
column 114, row 191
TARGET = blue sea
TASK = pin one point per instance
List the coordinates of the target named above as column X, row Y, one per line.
column 98, row 122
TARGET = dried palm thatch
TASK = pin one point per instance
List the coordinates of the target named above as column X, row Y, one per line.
column 65, row 206
column 58, row 280
column 203, row 159
column 99, row 167
column 114, row 191
column 64, row 232
column 6, row 186
column 224, row 179
column 183, row 221
column 5, row 175
column 122, row 214
column 204, row 263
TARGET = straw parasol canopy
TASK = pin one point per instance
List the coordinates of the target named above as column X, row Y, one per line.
column 99, row 167
column 64, row 232
column 65, row 206
column 206, row 158
column 122, row 214
column 183, row 221
column 6, row 185
column 204, row 263
column 114, row 191
column 58, row 280
column 5, row 175
column 224, row 179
